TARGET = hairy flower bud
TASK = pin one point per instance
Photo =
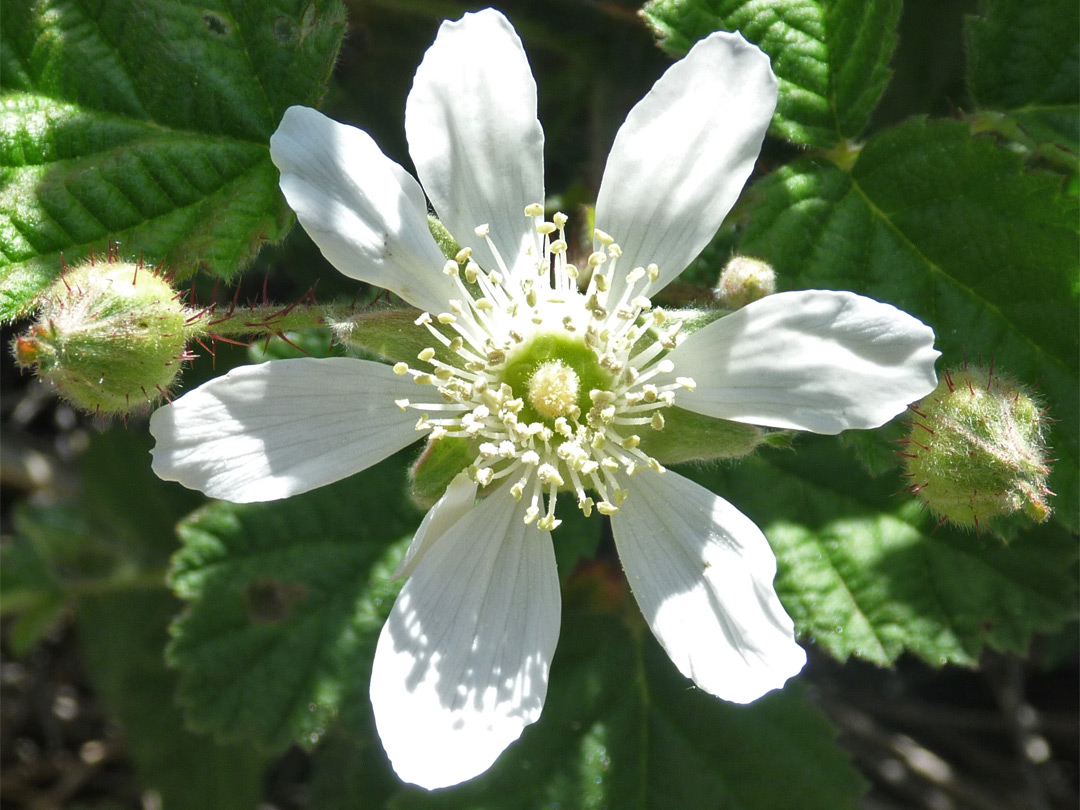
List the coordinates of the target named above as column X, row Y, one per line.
column 743, row 281
column 976, row 449
column 110, row 337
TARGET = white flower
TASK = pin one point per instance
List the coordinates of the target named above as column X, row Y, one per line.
column 552, row 384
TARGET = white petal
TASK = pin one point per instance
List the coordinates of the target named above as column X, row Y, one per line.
column 462, row 663
column 281, row 428
column 703, row 574
column 812, row 360
column 473, row 134
column 366, row 213
column 455, row 503
column 682, row 156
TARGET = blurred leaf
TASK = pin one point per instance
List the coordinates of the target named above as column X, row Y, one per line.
column 623, row 729
column 864, row 571
column 951, row 229
column 287, row 600
column 1060, row 649
column 123, row 636
column 133, row 510
column 118, row 534
column 1024, row 59
column 30, row 588
column 830, row 56
column 350, row 771
column 578, row 537
column 148, row 124
column 63, row 540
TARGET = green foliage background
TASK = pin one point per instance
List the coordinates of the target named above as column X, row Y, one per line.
column 948, row 189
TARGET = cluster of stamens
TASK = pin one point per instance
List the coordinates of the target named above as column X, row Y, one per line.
column 569, row 421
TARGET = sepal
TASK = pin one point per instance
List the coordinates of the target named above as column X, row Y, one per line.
column 389, row 334
column 437, row 466
column 689, row 436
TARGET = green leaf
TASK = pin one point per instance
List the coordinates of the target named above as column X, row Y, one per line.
column 123, row 636
column 951, row 229
column 1024, row 59
column 622, row 728
column 287, row 600
column 867, row 573
column 830, row 56
column 147, row 123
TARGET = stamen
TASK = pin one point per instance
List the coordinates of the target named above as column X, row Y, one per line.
column 493, row 319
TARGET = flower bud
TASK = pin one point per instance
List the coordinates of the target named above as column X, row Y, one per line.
column 110, row 337
column 976, row 449
column 744, row 281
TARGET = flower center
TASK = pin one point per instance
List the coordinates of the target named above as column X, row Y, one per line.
column 548, row 385
column 553, row 389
